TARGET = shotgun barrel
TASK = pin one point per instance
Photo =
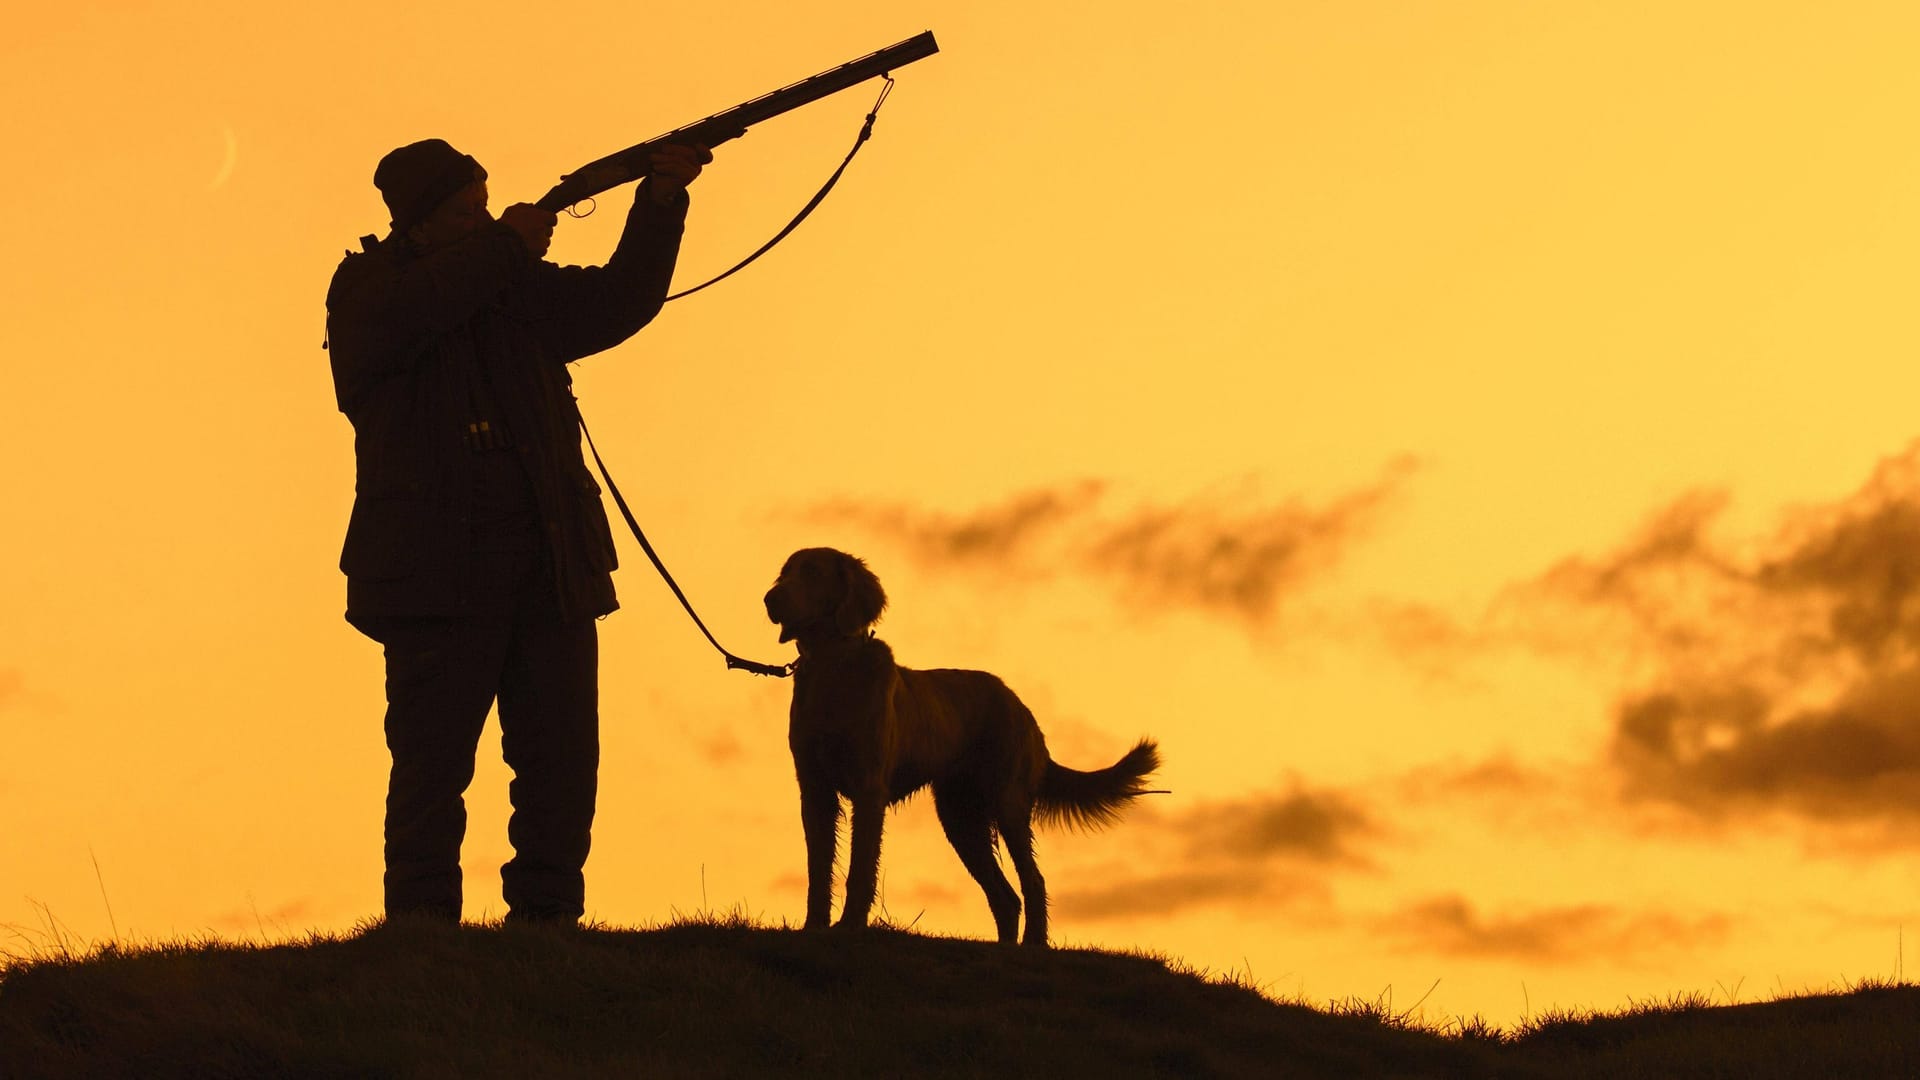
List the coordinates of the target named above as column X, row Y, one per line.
column 632, row 163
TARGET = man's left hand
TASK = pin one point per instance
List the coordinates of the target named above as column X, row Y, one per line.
column 672, row 168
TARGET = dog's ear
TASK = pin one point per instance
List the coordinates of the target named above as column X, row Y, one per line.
column 863, row 601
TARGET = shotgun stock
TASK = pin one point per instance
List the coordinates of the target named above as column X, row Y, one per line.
column 632, row 163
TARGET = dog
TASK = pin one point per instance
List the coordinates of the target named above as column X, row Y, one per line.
column 863, row 727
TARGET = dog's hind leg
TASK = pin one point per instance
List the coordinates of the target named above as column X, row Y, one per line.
column 969, row 829
column 1018, row 835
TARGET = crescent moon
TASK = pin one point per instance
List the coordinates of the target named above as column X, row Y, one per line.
column 227, row 163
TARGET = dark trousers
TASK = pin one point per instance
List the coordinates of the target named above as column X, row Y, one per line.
column 442, row 677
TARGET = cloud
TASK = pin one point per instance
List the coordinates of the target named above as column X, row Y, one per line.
column 1667, row 589
column 1451, row 926
column 1213, row 554
column 1773, row 674
column 1179, row 890
column 1725, row 750
column 1498, row 777
column 996, row 536
column 1658, row 580
column 1776, row 675
column 1233, row 563
column 1422, row 631
column 1271, row 847
column 1311, row 826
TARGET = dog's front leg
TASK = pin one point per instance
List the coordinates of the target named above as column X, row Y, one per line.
column 820, row 820
column 863, row 857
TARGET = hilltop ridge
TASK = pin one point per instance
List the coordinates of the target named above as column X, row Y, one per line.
column 722, row 997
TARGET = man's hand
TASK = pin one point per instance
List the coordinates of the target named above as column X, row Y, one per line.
column 672, row 169
column 534, row 225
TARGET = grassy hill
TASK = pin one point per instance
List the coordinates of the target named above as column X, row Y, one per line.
column 721, row 998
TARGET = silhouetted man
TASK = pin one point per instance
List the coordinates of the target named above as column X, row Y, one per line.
column 478, row 553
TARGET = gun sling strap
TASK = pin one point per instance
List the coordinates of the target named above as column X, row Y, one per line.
column 866, row 132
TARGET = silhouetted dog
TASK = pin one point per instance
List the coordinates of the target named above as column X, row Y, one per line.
column 864, row 727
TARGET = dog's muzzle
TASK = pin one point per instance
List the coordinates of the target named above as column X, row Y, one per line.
column 775, row 614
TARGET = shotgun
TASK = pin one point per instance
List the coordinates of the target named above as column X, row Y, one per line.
column 632, row 163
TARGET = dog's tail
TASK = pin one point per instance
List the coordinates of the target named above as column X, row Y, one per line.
column 1092, row 800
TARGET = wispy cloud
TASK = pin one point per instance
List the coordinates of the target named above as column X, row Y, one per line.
column 1323, row 826
column 1761, row 675
column 1667, row 589
column 1271, row 847
column 994, row 537
column 1178, row 890
column 1778, row 674
column 1224, row 555
column 1499, row 777
column 1727, row 750
column 1451, row 926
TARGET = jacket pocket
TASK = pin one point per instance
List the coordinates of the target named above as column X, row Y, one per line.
column 387, row 537
column 596, row 532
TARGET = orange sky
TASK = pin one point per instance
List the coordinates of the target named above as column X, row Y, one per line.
column 1315, row 387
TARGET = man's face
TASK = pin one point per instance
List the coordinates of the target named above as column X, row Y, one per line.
column 455, row 219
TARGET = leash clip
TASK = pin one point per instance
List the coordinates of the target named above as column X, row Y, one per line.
column 757, row 668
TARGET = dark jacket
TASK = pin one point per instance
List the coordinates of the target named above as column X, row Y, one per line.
column 411, row 336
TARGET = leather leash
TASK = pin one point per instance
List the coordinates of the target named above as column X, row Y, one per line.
column 733, row 661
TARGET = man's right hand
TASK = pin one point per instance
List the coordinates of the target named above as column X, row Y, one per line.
column 534, row 225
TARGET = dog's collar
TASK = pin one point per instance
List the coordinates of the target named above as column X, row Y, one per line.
column 837, row 643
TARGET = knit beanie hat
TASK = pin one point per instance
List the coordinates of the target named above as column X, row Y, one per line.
column 418, row 177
